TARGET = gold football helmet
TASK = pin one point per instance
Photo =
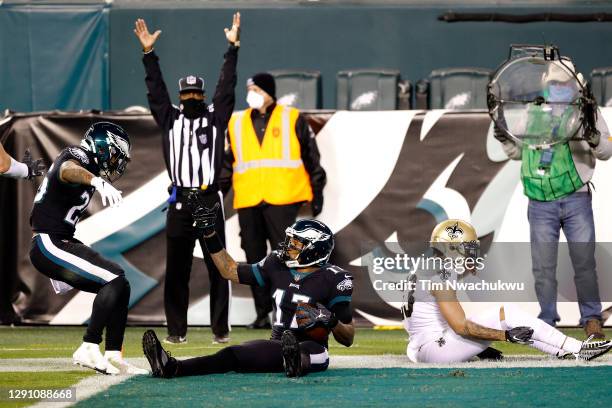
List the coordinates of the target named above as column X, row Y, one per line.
column 455, row 239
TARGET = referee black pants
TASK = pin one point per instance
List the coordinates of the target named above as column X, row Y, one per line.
column 180, row 242
column 258, row 225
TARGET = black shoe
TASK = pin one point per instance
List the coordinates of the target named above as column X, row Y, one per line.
column 163, row 365
column 176, row 340
column 491, row 354
column 260, row 323
column 292, row 357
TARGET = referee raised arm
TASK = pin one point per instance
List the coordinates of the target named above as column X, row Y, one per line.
column 193, row 144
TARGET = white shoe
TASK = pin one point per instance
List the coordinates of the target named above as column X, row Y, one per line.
column 114, row 359
column 88, row 355
column 593, row 349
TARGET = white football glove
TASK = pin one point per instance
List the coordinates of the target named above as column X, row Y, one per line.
column 108, row 193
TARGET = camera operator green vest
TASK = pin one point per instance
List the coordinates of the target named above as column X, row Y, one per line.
column 548, row 173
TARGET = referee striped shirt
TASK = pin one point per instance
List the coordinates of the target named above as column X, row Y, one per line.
column 193, row 148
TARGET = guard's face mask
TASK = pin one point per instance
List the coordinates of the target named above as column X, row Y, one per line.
column 536, row 98
column 255, row 100
column 192, row 108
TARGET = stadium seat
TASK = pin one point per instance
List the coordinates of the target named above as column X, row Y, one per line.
column 601, row 85
column 300, row 89
column 367, row 89
column 458, row 88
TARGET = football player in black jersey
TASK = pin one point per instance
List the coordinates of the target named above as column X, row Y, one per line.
column 62, row 198
column 311, row 298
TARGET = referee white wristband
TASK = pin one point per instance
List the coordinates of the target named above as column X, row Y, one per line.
column 17, row 170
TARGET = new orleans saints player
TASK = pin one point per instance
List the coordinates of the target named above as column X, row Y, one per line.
column 62, row 198
column 441, row 333
column 307, row 292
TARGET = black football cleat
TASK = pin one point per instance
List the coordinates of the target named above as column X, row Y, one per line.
column 491, row 353
column 163, row 365
column 292, row 357
column 593, row 349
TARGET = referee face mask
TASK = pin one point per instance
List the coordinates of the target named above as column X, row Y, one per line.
column 191, row 95
column 192, row 104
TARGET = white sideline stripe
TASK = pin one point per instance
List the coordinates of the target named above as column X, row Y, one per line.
column 359, row 361
column 87, row 387
column 320, row 358
column 75, row 260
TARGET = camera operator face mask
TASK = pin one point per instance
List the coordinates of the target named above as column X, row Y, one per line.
column 255, row 100
column 537, row 97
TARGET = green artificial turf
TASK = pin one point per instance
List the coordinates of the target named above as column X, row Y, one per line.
column 52, row 341
column 36, row 380
column 394, row 387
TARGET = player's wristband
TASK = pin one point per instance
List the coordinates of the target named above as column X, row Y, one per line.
column 213, row 244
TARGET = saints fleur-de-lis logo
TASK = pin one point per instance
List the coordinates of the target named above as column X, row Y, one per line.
column 455, row 231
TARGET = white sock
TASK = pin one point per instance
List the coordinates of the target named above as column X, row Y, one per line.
column 112, row 354
column 90, row 345
column 547, row 348
column 542, row 332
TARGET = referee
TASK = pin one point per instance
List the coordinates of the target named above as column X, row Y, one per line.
column 193, row 145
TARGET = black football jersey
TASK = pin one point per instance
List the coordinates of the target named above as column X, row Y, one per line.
column 330, row 285
column 58, row 205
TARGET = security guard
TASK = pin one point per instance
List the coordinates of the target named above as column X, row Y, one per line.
column 274, row 163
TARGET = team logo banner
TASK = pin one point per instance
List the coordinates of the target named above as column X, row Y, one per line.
column 392, row 176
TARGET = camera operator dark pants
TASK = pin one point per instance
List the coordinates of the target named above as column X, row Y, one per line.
column 259, row 224
column 181, row 237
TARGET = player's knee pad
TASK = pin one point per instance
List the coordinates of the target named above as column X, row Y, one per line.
column 120, row 285
column 125, row 284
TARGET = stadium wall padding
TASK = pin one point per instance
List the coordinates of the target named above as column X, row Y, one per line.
column 391, row 177
column 54, row 57
column 330, row 38
column 86, row 57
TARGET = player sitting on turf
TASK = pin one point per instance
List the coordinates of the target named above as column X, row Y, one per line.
column 62, row 198
column 441, row 333
column 310, row 296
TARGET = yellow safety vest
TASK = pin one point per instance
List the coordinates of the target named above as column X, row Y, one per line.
column 272, row 171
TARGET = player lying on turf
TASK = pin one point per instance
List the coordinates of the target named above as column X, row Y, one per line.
column 62, row 198
column 310, row 296
column 441, row 333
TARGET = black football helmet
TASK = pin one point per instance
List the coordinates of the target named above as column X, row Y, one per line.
column 317, row 240
column 111, row 146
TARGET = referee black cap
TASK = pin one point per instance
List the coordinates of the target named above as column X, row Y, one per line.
column 191, row 83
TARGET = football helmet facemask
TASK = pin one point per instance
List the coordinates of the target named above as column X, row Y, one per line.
column 111, row 146
column 455, row 239
column 317, row 244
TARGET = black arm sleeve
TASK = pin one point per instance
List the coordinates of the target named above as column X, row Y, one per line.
column 310, row 155
column 157, row 92
column 252, row 274
column 225, row 96
column 227, row 171
column 343, row 312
